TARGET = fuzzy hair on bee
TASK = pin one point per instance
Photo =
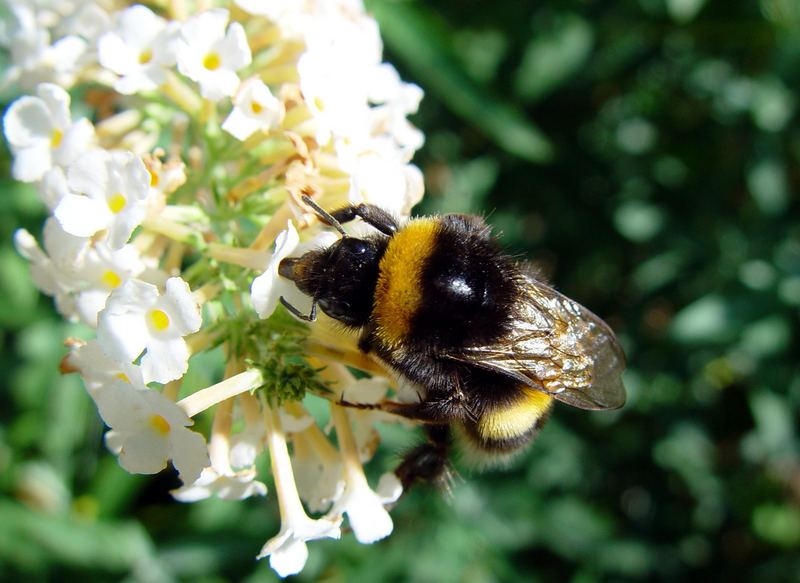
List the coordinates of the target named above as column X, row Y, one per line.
column 488, row 347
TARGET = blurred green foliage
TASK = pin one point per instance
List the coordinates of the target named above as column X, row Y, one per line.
column 644, row 155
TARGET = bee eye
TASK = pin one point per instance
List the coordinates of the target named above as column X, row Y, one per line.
column 355, row 246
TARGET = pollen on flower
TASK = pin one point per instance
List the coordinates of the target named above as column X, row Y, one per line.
column 159, row 320
column 154, row 179
column 256, row 107
column 111, row 279
column 123, row 377
column 319, row 104
column 212, row 61
column 160, row 424
column 55, row 138
column 145, row 56
column 116, row 203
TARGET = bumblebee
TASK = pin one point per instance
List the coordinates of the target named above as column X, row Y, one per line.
column 488, row 346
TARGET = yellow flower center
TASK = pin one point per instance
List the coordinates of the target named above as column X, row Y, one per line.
column 111, row 279
column 160, row 424
column 117, row 202
column 154, row 179
column 145, row 56
column 159, row 320
column 55, row 138
column 256, row 107
column 212, row 61
column 320, row 105
column 123, row 377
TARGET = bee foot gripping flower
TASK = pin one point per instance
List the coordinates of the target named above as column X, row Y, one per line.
column 170, row 217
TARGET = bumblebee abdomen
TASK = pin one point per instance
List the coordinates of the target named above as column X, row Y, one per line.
column 443, row 282
column 503, row 429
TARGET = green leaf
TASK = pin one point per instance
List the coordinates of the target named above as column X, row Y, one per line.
column 553, row 56
column 418, row 36
column 708, row 319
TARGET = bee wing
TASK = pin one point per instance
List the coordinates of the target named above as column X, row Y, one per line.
column 559, row 347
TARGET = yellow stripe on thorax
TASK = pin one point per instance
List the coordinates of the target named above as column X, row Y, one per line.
column 516, row 418
column 398, row 294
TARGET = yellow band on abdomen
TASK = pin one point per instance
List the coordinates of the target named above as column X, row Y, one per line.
column 398, row 294
column 515, row 419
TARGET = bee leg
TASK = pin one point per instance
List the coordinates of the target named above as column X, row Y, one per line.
column 429, row 462
column 428, row 412
column 297, row 313
column 374, row 216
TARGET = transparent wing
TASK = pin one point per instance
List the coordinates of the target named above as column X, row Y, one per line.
column 559, row 347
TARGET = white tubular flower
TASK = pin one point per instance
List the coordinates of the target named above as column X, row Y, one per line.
column 99, row 370
column 364, row 507
column 211, row 56
column 53, row 187
column 337, row 102
column 254, row 108
column 273, row 10
column 148, row 430
column 367, row 391
column 33, row 59
column 115, row 185
column 318, row 469
column 386, row 182
column 103, row 270
column 53, row 270
column 41, row 133
column 227, row 486
column 140, row 49
column 220, row 479
column 249, row 442
column 268, row 287
column 137, row 318
column 88, row 20
column 287, row 551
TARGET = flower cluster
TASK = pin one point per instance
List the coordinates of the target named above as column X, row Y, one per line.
column 201, row 134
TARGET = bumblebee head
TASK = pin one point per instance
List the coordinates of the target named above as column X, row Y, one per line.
column 341, row 278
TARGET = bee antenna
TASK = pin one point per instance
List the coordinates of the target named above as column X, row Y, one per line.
column 324, row 215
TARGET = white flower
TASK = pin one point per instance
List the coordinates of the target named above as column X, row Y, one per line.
column 386, row 182
column 367, row 391
column 268, row 287
column 365, row 510
column 254, row 108
column 317, row 469
column 220, row 479
column 287, row 551
column 245, row 447
column 211, row 56
column 137, row 318
column 41, row 133
column 116, row 185
column 140, row 49
column 364, row 507
column 228, row 486
column 53, row 269
column 97, row 369
column 335, row 97
column 33, row 59
column 102, row 271
column 53, row 187
column 88, row 21
column 148, row 430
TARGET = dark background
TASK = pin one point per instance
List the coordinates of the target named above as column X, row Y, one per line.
column 644, row 155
